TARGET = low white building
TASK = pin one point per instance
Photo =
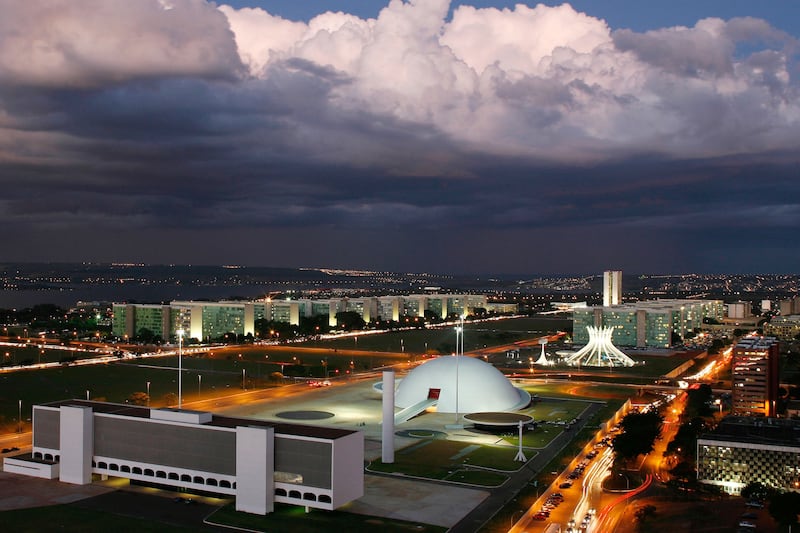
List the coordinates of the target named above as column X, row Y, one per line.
column 258, row 462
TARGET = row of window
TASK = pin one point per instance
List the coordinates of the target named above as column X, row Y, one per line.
column 308, row 496
column 161, row 474
column 186, row 478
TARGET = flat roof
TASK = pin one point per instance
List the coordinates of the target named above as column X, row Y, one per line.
column 756, row 430
column 136, row 411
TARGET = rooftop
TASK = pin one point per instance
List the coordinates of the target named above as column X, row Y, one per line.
column 757, row 430
column 217, row 421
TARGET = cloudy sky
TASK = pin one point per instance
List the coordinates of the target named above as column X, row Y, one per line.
column 423, row 135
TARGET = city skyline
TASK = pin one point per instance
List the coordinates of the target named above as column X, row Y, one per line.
column 436, row 137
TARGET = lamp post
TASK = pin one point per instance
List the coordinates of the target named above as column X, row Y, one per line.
column 87, row 394
column 148, row 394
column 19, row 418
column 459, row 348
column 199, row 382
column 719, row 404
column 243, row 380
column 180, row 366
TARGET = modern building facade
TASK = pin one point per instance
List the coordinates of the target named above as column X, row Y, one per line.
column 784, row 328
column 742, row 450
column 257, row 462
column 645, row 324
column 612, row 287
column 212, row 320
column 755, row 376
column 790, row 307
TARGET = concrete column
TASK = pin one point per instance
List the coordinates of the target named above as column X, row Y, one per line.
column 255, row 469
column 387, row 435
column 76, row 444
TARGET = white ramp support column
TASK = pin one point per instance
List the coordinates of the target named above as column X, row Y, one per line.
column 520, row 456
column 255, row 469
column 76, row 444
column 387, row 429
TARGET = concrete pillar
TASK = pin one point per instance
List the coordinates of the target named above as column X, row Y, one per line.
column 255, row 470
column 387, row 440
column 76, row 444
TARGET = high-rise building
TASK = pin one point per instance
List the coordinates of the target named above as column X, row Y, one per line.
column 755, row 376
column 612, row 287
column 646, row 324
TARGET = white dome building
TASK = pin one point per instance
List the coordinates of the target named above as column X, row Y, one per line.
column 481, row 387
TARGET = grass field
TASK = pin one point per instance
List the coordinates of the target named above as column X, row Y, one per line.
column 443, row 340
column 72, row 519
column 450, row 460
column 294, row 519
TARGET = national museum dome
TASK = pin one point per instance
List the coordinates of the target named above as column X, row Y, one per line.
column 481, row 387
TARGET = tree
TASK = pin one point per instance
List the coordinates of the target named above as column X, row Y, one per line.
column 644, row 512
column 684, row 444
column 145, row 335
column 639, row 433
column 349, row 320
column 138, row 398
column 756, row 491
column 698, row 401
column 783, row 507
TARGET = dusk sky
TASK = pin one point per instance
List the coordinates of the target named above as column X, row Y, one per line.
column 464, row 137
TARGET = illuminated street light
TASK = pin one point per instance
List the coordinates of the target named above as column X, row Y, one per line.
column 180, row 366
column 199, row 382
column 148, row 394
column 19, row 419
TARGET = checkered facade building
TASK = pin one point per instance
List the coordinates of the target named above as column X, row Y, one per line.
column 745, row 452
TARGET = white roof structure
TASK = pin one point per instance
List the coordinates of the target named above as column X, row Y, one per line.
column 600, row 351
column 481, row 387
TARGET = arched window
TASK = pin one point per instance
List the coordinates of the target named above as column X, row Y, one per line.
column 324, row 498
column 173, row 475
column 310, row 496
column 280, row 492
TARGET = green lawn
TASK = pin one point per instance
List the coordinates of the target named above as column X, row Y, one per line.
column 444, row 459
column 443, row 340
column 72, row 519
column 294, row 519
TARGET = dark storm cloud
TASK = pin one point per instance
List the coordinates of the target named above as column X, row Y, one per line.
column 389, row 135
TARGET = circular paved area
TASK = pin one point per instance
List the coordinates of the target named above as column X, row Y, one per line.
column 498, row 419
column 304, row 415
column 422, row 434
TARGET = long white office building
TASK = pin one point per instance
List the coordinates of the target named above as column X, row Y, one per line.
column 257, row 462
column 211, row 320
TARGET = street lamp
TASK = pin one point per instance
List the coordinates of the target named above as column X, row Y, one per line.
column 243, row 380
column 87, row 394
column 19, row 418
column 148, row 394
column 199, row 382
column 180, row 365
column 719, row 404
